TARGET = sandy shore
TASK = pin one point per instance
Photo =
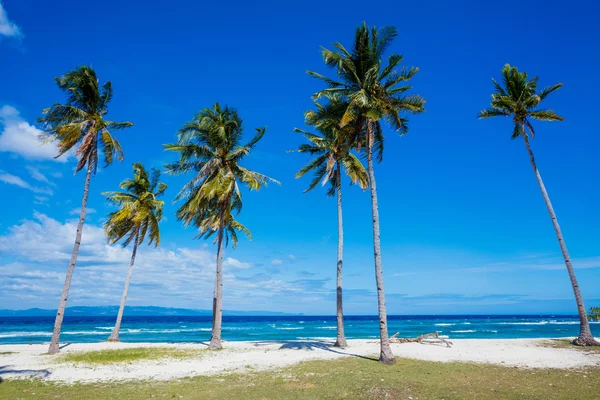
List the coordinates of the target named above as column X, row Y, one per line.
column 28, row 361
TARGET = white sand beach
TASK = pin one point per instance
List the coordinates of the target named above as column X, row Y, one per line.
column 29, row 361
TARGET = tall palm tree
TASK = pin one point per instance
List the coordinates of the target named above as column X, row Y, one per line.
column 80, row 122
column 332, row 150
column 210, row 147
column 374, row 93
column 519, row 99
column 138, row 216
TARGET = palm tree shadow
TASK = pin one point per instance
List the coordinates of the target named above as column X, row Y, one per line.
column 5, row 372
column 311, row 345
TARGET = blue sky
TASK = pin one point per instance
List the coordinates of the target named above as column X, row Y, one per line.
column 464, row 228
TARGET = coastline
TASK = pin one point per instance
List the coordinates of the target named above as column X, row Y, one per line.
column 20, row 361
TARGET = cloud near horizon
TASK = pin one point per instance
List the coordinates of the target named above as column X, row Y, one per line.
column 34, row 257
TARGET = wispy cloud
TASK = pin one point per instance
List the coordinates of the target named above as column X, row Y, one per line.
column 15, row 180
column 40, row 200
column 7, row 27
column 37, row 175
column 276, row 261
column 77, row 211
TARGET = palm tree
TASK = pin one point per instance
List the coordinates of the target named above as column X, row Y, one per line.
column 373, row 93
column 80, row 122
column 209, row 146
column 332, row 150
column 519, row 100
column 138, row 216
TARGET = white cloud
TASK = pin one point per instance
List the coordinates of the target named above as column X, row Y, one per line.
column 77, row 211
column 292, row 257
column 36, row 252
column 37, row 175
column 19, row 137
column 8, row 28
column 40, row 199
column 276, row 262
column 233, row 263
column 15, row 180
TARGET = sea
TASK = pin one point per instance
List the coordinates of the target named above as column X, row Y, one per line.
column 25, row 330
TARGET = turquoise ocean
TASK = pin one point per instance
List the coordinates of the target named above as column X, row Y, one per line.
column 257, row 328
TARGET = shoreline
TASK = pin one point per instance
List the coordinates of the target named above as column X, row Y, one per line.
column 18, row 361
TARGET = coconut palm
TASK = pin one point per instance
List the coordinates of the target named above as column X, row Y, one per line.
column 374, row 92
column 519, row 99
column 80, row 123
column 332, row 150
column 139, row 213
column 210, row 147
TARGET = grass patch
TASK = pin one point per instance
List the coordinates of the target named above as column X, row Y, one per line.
column 6, row 353
column 348, row 378
column 114, row 356
column 566, row 344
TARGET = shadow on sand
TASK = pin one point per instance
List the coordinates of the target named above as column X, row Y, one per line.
column 311, row 345
column 7, row 372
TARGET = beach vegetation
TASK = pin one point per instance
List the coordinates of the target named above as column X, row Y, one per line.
column 139, row 214
column 331, row 148
column 517, row 98
column 210, row 148
column 348, row 378
column 375, row 92
column 79, row 127
column 115, row 356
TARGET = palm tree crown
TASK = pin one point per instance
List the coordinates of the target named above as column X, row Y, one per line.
column 518, row 98
column 81, row 120
column 331, row 146
column 209, row 146
column 372, row 90
column 140, row 210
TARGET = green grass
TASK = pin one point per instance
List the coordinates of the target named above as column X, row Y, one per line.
column 566, row 344
column 128, row 355
column 6, row 353
column 349, row 378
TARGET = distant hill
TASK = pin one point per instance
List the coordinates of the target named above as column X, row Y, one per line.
column 129, row 310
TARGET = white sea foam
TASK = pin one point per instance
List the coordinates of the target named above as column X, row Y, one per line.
column 326, row 327
column 22, row 334
column 445, row 324
column 464, row 331
column 290, row 329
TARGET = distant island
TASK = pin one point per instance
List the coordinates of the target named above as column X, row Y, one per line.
column 139, row 311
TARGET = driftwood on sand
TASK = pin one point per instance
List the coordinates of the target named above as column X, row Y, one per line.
column 429, row 338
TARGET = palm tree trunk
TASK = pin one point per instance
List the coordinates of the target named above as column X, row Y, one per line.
column 386, row 356
column 60, row 313
column 341, row 337
column 215, row 340
column 585, row 335
column 114, row 336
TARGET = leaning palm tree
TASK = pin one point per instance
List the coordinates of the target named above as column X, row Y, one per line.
column 519, row 99
column 331, row 146
column 80, row 124
column 209, row 147
column 374, row 93
column 138, row 216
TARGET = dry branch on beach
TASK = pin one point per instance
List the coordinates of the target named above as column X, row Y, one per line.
column 430, row 338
